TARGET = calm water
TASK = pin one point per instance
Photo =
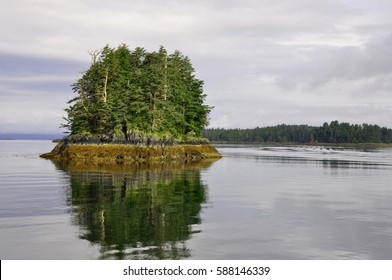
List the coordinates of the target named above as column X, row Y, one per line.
column 257, row 202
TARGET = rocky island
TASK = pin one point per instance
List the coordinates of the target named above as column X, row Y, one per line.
column 136, row 106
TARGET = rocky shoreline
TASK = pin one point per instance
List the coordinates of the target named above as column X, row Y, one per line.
column 124, row 152
column 133, row 138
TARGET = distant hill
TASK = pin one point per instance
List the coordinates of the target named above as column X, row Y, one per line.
column 30, row 136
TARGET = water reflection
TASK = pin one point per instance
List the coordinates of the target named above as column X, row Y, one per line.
column 329, row 157
column 137, row 212
column 344, row 164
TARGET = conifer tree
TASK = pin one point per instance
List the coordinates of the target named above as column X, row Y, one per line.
column 148, row 92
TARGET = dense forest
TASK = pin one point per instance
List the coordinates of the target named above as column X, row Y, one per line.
column 333, row 132
column 134, row 91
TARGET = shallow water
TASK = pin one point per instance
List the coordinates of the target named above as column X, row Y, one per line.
column 257, row 202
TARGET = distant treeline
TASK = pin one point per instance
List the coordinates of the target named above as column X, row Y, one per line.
column 334, row 132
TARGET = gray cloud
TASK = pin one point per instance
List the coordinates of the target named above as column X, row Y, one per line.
column 34, row 92
column 263, row 62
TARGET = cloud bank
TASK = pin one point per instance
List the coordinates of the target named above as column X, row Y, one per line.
column 263, row 62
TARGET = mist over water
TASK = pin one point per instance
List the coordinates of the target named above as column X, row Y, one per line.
column 257, row 202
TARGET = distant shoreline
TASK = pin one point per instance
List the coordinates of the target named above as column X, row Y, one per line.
column 29, row 136
column 315, row 144
column 334, row 133
column 16, row 139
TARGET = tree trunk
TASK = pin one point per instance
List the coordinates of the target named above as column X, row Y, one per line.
column 165, row 79
column 105, row 93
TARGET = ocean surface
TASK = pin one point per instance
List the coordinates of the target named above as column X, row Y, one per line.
column 257, row 202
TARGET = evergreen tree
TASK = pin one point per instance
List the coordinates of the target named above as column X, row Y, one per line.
column 148, row 92
column 334, row 132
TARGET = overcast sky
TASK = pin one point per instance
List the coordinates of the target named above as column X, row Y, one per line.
column 264, row 62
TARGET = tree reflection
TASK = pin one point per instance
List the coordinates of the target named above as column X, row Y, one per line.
column 135, row 212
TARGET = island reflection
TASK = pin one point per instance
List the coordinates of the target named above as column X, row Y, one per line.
column 137, row 211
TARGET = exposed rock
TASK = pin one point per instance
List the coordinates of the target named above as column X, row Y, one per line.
column 138, row 148
column 132, row 137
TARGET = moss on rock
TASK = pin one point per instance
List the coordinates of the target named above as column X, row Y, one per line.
column 127, row 153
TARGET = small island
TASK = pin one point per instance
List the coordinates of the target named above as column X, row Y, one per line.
column 136, row 106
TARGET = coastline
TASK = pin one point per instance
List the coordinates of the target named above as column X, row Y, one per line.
column 315, row 144
column 129, row 153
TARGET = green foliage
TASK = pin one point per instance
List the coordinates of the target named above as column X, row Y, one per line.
column 135, row 90
column 334, row 132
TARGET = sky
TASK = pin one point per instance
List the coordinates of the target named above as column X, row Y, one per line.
column 263, row 62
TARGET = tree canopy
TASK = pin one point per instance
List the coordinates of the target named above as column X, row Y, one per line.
column 134, row 90
column 333, row 132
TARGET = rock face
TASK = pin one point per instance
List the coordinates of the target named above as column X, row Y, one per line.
column 130, row 153
column 131, row 137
